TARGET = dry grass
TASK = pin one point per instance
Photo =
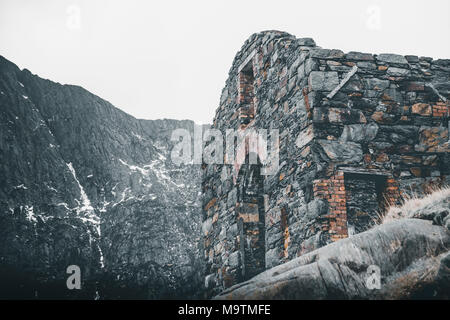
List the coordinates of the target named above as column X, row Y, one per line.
column 414, row 204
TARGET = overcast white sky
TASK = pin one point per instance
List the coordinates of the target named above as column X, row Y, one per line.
column 170, row 59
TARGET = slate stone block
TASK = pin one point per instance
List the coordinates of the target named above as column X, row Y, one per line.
column 323, row 81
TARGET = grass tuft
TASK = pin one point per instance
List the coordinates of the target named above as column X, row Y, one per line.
column 414, row 204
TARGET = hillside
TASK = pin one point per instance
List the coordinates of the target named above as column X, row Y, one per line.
column 84, row 183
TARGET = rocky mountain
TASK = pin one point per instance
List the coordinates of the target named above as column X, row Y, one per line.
column 83, row 183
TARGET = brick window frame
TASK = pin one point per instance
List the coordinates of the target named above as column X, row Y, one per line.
column 333, row 190
column 246, row 87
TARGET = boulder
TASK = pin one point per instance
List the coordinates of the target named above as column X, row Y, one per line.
column 406, row 258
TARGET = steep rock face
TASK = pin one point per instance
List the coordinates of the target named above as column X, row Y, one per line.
column 84, row 183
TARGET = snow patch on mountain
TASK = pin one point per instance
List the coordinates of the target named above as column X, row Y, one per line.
column 86, row 203
column 88, row 211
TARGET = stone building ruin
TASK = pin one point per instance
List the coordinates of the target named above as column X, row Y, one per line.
column 357, row 132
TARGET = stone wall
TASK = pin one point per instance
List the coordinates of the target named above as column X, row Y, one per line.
column 346, row 121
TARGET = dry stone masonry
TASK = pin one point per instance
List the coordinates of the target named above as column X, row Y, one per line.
column 357, row 132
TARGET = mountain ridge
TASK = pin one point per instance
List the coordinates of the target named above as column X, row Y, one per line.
column 76, row 159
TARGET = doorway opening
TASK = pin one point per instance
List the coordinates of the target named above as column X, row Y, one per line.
column 365, row 200
column 251, row 219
